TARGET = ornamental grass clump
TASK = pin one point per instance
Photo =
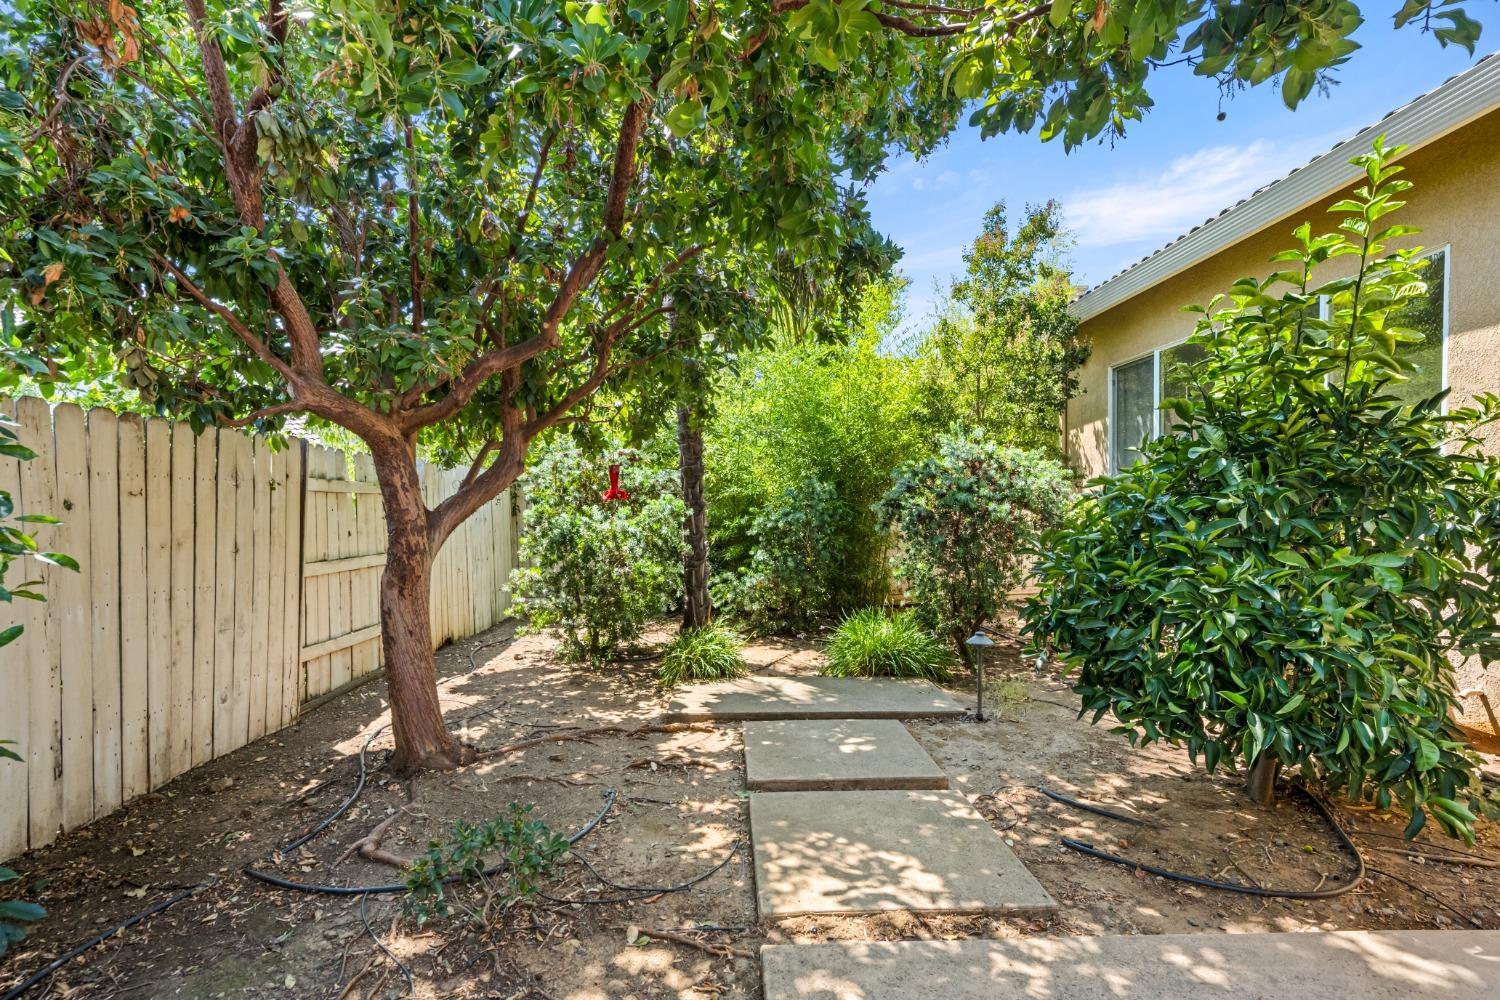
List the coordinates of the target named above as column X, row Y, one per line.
column 871, row 643
column 710, row 653
column 1286, row 577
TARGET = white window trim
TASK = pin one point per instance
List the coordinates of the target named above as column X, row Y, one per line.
column 1109, row 426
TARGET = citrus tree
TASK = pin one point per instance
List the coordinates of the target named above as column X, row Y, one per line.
column 1283, row 580
column 447, row 225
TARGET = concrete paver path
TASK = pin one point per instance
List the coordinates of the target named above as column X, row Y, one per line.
column 793, row 755
column 876, row 851
column 1369, row 965
column 779, row 697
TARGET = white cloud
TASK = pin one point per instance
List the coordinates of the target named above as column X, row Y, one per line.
column 1189, row 190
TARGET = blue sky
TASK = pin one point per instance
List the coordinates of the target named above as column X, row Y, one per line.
column 1169, row 173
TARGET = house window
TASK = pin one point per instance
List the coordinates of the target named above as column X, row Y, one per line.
column 1429, row 317
column 1172, row 382
column 1137, row 389
column 1132, row 410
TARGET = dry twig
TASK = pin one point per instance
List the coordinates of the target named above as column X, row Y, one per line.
column 717, row 950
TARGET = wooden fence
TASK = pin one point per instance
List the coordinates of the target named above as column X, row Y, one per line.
column 223, row 586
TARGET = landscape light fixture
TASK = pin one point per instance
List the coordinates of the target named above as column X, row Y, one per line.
column 979, row 646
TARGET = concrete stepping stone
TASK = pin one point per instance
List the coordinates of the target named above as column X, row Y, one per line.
column 876, row 851
column 796, row 755
column 1370, row 965
column 782, row 697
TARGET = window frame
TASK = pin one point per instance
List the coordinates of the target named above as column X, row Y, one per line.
column 1447, row 251
column 1109, row 437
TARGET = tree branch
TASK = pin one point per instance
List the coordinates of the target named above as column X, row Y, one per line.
column 490, row 447
column 580, row 275
column 275, row 409
column 260, row 348
column 479, row 371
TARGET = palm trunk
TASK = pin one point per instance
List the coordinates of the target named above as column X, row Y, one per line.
column 697, row 608
column 422, row 738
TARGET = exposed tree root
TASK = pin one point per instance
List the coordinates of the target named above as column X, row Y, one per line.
column 369, row 846
column 588, row 734
column 717, row 950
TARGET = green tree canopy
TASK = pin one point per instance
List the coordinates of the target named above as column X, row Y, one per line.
column 1004, row 353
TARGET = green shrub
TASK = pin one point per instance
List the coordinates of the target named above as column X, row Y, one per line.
column 798, row 549
column 525, row 848
column 14, row 913
column 711, row 653
column 597, row 571
column 871, row 643
column 800, row 448
column 966, row 519
column 1290, row 570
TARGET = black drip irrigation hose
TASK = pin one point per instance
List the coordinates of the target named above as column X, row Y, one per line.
column 68, row 956
column 636, row 892
column 364, row 918
column 343, row 807
column 1208, row 883
column 393, row 887
column 1068, row 800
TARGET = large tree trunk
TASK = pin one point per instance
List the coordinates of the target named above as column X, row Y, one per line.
column 697, row 609
column 422, row 738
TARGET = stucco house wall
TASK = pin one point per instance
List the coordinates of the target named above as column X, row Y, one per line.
column 1456, row 202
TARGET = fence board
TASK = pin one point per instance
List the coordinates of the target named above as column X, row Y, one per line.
column 18, row 682
column 158, row 584
column 260, row 584
column 184, row 594
column 205, row 553
column 134, row 745
column 74, row 613
column 39, row 647
column 104, row 579
column 224, row 520
column 292, row 640
column 244, row 569
column 275, row 573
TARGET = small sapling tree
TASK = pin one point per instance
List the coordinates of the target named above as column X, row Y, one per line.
column 1283, row 579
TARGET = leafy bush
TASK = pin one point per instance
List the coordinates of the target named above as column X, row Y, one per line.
column 14, row 913
column 711, row 653
column 598, row 571
column 966, row 518
column 1289, row 571
column 797, row 553
column 871, row 643
column 525, row 848
column 801, row 447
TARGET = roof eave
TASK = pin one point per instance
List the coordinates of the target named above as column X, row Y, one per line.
column 1461, row 100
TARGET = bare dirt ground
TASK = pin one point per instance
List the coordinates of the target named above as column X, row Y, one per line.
column 679, row 811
